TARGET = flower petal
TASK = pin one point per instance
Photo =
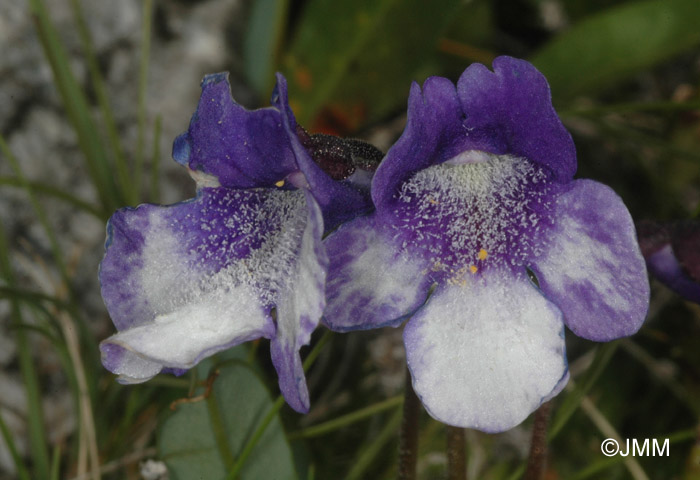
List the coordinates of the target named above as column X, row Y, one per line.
column 340, row 201
column 180, row 339
column 665, row 266
column 593, row 268
column 686, row 245
column 299, row 310
column 487, row 354
column 505, row 112
column 241, row 148
column 370, row 283
column 432, row 135
column 510, row 111
column 186, row 281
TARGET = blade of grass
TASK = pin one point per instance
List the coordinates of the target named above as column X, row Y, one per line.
column 38, row 210
column 155, row 162
column 143, row 83
column 35, row 415
column 57, row 193
column 247, row 450
column 573, row 399
column 128, row 188
column 606, row 428
column 56, row 251
column 594, row 470
column 56, row 463
column 77, row 109
column 348, row 419
column 632, row 107
column 14, row 293
column 370, row 452
column 22, row 472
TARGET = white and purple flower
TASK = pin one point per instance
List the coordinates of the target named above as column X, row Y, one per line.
column 241, row 261
column 672, row 254
column 482, row 237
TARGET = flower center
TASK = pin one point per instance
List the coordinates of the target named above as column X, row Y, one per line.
column 475, row 211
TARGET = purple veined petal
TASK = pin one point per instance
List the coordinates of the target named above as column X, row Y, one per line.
column 340, row 201
column 371, row 282
column 240, row 148
column 665, row 266
column 185, row 281
column 505, row 112
column 486, row 354
column 592, row 267
column 299, row 310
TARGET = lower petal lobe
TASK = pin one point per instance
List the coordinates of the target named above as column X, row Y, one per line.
column 592, row 267
column 486, row 354
column 185, row 281
column 371, row 281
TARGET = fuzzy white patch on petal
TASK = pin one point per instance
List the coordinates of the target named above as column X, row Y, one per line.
column 487, row 354
column 182, row 337
column 299, row 309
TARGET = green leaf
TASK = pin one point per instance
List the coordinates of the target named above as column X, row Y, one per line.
column 238, row 402
column 262, row 42
column 612, row 45
column 363, row 55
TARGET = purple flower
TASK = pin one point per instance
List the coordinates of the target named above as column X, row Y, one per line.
column 672, row 252
column 241, row 261
column 482, row 237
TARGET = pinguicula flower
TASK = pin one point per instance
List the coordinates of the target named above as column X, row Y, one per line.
column 241, row 261
column 672, row 252
column 482, row 237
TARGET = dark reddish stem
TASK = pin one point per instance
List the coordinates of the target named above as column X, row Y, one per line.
column 408, row 438
column 456, row 454
column 537, row 461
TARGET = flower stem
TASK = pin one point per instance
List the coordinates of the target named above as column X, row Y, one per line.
column 456, row 459
column 538, row 448
column 408, row 437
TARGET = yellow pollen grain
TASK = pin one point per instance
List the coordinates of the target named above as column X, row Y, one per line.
column 281, row 183
column 482, row 254
column 473, row 269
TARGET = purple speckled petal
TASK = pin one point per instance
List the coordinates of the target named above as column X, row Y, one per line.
column 505, row 112
column 240, row 148
column 299, row 310
column 664, row 265
column 339, row 200
column 487, row 353
column 185, row 281
column 592, row 267
column 371, row 282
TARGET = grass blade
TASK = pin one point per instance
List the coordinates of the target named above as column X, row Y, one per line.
column 56, row 193
column 143, row 83
column 128, row 188
column 35, row 415
column 77, row 109
column 22, row 472
column 573, row 400
column 155, row 162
